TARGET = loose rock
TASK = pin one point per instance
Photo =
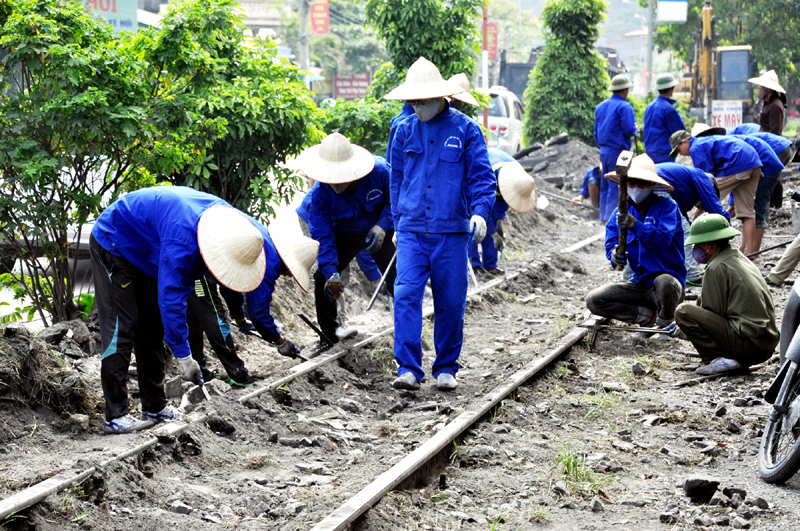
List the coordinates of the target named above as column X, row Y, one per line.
column 638, row 369
column 180, row 508
column 597, row 505
column 740, row 523
column 701, row 487
column 761, row 503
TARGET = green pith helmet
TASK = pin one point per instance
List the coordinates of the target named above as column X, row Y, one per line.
column 710, row 228
column 666, row 81
column 620, row 82
column 676, row 139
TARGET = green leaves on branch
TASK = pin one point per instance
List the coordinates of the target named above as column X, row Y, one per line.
column 364, row 123
column 570, row 77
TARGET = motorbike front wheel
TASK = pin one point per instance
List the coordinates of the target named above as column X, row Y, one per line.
column 779, row 455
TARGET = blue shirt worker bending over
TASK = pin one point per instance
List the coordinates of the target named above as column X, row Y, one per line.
column 440, row 174
column 614, row 125
column 515, row 188
column 349, row 212
column 147, row 249
column 654, row 251
column 691, row 187
column 661, row 119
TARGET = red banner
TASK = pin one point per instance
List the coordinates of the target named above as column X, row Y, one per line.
column 351, row 87
column 491, row 40
column 320, row 17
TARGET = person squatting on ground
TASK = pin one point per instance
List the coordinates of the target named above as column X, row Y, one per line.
column 736, row 168
column 733, row 324
column 147, row 249
column 661, row 119
column 515, row 188
column 773, row 99
column 590, row 188
column 349, row 212
column 654, row 252
column 614, row 125
column 691, row 187
column 205, row 313
column 440, row 176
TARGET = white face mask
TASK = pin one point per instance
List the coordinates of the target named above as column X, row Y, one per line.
column 639, row 194
column 429, row 110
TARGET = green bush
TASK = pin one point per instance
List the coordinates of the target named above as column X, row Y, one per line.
column 570, row 77
column 365, row 123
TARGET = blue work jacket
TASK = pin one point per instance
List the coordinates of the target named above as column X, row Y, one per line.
column 661, row 119
column 440, row 174
column 770, row 162
column 259, row 300
column 498, row 159
column 778, row 143
column 591, row 174
column 655, row 245
column 155, row 229
column 404, row 113
column 304, row 210
column 722, row 156
column 352, row 213
column 614, row 125
column 745, row 129
column 690, row 186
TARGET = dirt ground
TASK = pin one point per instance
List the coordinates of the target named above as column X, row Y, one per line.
column 602, row 440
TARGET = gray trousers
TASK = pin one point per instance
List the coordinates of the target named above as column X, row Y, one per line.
column 787, row 263
column 692, row 271
column 634, row 303
column 714, row 337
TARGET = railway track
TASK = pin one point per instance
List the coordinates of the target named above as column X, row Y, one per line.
column 447, row 429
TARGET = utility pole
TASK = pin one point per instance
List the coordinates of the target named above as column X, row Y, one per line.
column 651, row 29
column 303, row 52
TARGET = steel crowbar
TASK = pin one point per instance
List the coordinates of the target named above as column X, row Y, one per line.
column 627, row 329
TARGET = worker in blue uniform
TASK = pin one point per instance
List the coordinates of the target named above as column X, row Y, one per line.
column 735, row 166
column 515, row 189
column 404, row 113
column 746, row 129
column 614, row 125
column 771, row 167
column 661, row 119
column 349, row 212
column 691, row 187
column 147, row 249
column 590, row 187
column 441, row 176
column 654, row 252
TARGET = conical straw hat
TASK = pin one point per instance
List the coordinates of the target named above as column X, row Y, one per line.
column 296, row 250
column 423, row 81
column 335, row 160
column 768, row 80
column 232, row 248
column 642, row 168
column 462, row 81
column 516, row 187
column 701, row 129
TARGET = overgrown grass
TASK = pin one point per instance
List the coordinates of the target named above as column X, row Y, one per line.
column 572, row 466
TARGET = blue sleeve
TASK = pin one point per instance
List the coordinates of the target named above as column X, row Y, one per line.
column 709, row 199
column 319, row 224
column 480, row 177
column 385, row 219
column 657, row 237
column 701, row 157
column 612, row 235
column 177, row 270
column 258, row 306
column 500, row 208
column 396, row 171
column 596, row 136
column 628, row 120
column 392, row 132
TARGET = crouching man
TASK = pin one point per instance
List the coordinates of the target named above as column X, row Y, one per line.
column 733, row 324
column 654, row 252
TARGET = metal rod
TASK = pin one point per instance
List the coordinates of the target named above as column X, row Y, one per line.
column 627, row 329
column 316, row 330
column 784, row 244
column 472, row 274
column 382, row 281
column 568, row 200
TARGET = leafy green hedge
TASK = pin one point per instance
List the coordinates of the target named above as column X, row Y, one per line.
column 365, row 123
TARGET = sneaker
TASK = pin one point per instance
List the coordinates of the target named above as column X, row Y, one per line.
column 168, row 413
column 244, row 381
column 244, row 324
column 771, row 283
column 696, row 283
column 125, row 424
column 496, row 271
column 318, row 348
column 719, row 366
column 407, row 380
column 345, row 332
column 446, row 382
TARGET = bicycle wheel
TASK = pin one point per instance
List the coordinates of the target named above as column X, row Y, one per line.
column 779, row 454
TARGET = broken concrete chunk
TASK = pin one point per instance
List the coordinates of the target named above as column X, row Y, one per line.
column 740, row 523
column 618, row 387
column 80, row 421
column 701, row 487
column 180, row 508
column 174, row 387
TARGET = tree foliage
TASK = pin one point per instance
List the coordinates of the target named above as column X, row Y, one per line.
column 72, row 126
column 517, row 31
column 570, row 77
column 364, row 123
column 444, row 33
column 771, row 27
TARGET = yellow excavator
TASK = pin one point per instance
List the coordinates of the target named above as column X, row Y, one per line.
column 718, row 91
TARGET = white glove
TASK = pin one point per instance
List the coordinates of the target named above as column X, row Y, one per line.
column 477, row 227
column 394, row 239
column 190, row 370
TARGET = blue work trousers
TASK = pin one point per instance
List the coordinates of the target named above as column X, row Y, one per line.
column 443, row 258
column 489, row 260
column 609, row 192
